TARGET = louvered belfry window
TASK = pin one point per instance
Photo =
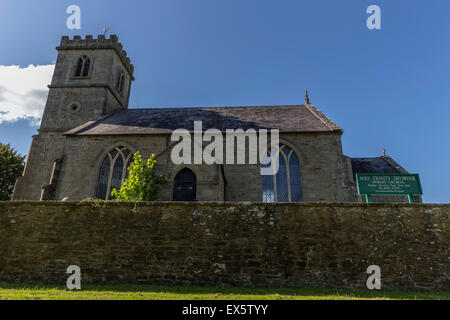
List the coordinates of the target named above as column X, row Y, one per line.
column 83, row 67
column 120, row 82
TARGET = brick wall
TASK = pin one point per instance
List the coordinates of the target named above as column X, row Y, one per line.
column 318, row 245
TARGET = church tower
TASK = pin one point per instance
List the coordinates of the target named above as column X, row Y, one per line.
column 92, row 79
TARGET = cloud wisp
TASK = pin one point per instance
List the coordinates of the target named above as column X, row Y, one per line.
column 23, row 92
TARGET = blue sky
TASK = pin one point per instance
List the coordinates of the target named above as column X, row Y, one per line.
column 387, row 88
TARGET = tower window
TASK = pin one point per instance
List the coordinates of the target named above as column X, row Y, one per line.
column 285, row 186
column 120, row 82
column 113, row 172
column 83, row 67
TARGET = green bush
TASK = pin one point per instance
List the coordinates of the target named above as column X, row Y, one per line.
column 11, row 167
column 142, row 184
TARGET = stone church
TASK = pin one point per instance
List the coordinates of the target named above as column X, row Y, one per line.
column 88, row 135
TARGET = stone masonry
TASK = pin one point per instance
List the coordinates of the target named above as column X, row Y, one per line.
column 237, row 244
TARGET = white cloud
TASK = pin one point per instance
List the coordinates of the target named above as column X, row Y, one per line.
column 23, row 92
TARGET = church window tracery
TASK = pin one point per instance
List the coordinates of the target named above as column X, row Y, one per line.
column 285, row 186
column 113, row 171
column 83, row 67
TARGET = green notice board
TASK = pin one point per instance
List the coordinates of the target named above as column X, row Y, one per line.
column 389, row 184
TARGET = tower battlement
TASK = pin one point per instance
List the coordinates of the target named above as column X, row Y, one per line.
column 101, row 42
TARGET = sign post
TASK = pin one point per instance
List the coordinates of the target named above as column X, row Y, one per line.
column 388, row 185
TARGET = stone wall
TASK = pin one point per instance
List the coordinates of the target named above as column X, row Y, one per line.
column 45, row 149
column 324, row 172
column 317, row 245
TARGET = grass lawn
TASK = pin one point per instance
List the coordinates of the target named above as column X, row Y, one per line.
column 144, row 292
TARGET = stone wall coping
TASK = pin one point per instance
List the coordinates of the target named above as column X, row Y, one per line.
column 221, row 204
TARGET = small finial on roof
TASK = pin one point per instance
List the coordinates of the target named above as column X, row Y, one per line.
column 105, row 30
column 384, row 152
column 307, row 97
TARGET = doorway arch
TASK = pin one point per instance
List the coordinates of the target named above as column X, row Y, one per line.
column 185, row 186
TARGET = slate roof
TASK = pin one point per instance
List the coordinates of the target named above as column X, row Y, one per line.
column 383, row 164
column 299, row 118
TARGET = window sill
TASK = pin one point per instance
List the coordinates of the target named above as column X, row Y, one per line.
column 80, row 78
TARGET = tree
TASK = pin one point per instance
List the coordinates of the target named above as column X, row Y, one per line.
column 142, row 184
column 11, row 167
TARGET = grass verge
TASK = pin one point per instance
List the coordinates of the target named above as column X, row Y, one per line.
column 150, row 292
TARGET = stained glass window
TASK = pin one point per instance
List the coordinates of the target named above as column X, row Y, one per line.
column 113, row 171
column 285, row 186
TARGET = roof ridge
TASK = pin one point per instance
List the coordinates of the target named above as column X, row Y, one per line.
column 218, row 107
column 365, row 158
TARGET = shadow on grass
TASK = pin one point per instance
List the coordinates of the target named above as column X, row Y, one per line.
column 236, row 291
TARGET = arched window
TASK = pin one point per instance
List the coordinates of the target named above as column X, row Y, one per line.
column 83, row 67
column 185, row 187
column 285, row 186
column 113, row 172
column 120, row 82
